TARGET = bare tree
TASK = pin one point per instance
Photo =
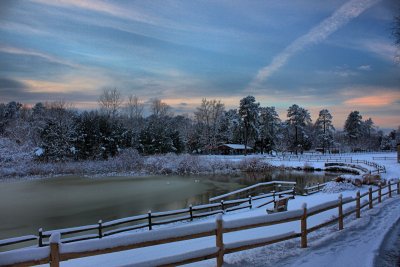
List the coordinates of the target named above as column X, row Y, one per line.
column 159, row 108
column 110, row 101
column 209, row 116
column 134, row 107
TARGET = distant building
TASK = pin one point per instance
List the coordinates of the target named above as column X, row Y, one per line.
column 233, row 149
column 398, row 152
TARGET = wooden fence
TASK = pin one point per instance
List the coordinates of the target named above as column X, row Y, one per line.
column 274, row 187
column 61, row 252
column 147, row 221
column 378, row 168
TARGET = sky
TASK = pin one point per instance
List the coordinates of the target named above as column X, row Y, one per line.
column 336, row 54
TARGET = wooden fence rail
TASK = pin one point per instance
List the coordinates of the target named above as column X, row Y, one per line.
column 149, row 220
column 61, row 252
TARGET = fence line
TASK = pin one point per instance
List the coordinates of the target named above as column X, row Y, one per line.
column 255, row 186
column 61, row 252
column 103, row 229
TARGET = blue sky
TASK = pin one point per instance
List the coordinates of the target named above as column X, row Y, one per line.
column 332, row 54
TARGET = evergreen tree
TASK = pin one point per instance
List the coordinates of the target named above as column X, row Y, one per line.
column 269, row 124
column 353, row 128
column 324, row 130
column 58, row 136
column 299, row 122
column 248, row 112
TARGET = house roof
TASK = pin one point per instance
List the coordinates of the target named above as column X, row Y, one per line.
column 236, row 146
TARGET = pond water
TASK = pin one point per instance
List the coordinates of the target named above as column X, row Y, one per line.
column 69, row 201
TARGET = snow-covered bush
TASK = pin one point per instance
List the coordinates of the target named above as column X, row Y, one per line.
column 127, row 160
column 252, row 164
column 163, row 164
column 334, row 187
column 190, row 164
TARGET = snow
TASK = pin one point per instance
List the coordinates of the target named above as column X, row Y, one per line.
column 264, row 218
column 39, row 152
column 237, row 146
column 21, row 255
column 71, row 229
column 135, row 238
column 257, row 240
column 18, row 239
column 333, row 187
column 357, row 245
column 55, row 238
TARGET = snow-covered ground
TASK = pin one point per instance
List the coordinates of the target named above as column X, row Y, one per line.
column 357, row 245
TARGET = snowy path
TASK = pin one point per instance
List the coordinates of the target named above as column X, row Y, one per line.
column 356, row 245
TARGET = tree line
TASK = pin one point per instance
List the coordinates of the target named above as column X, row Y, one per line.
column 58, row 132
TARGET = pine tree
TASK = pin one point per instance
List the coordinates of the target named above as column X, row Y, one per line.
column 299, row 122
column 324, row 130
column 353, row 128
column 248, row 112
column 269, row 124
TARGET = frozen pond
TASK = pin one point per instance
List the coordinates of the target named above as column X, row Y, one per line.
column 71, row 201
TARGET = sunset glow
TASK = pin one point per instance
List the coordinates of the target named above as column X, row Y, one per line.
column 327, row 56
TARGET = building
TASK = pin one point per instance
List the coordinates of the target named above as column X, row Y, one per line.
column 398, row 152
column 233, row 149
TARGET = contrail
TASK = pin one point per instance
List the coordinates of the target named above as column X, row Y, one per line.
column 338, row 19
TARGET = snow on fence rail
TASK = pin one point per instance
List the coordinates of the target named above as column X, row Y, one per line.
column 59, row 251
column 378, row 168
column 149, row 220
column 246, row 190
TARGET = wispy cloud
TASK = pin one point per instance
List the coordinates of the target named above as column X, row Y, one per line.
column 364, row 67
column 382, row 49
column 338, row 19
column 105, row 8
column 28, row 52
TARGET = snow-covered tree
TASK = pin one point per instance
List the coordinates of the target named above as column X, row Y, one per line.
column 354, row 128
column 248, row 112
column 269, row 124
column 324, row 130
column 8, row 113
column 58, row 135
column 299, row 127
column 231, row 127
column 209, row 117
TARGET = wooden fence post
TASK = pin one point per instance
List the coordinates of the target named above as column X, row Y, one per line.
column 250, row 202
column 191, row 212
column 222, row 206
column 380, row 193
column 55, row 249
column 149, row 219
column 358, row 204
column 370, row 198
column 317, row 187
column 219, row 241
column 390, row 189
column 40, row 237
column 398, row 187
column 304, row 227
column 273, row 195
column 100, row 223
column 340, row 206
